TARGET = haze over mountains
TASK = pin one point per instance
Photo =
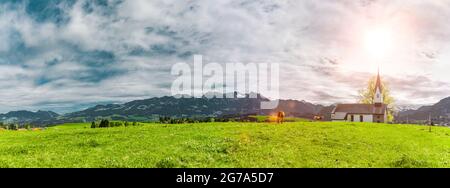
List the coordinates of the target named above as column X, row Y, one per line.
column 241, row 105
column 439, row 113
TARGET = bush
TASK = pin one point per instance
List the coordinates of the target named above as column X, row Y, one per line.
column 93, row 125
column 115, row 124
column 12, row 127
column 104, row 124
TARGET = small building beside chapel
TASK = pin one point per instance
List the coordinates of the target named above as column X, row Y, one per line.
column 376, row 112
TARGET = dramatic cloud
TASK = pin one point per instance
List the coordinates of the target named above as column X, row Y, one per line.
column 67, row 55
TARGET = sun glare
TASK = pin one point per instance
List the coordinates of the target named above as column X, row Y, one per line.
column 378, row 42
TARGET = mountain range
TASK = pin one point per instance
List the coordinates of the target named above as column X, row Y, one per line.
column 153, row 108
column 438, row 113
column 24, row 117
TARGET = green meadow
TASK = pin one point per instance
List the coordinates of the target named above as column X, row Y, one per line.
column 295, row 144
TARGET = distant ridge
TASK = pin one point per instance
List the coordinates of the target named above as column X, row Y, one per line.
column 181, row 106
column 186, row 106
column 24, row 117
column 439, row 113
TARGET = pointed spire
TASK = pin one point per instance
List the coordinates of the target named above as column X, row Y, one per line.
column 378, row 98
column 378, row 84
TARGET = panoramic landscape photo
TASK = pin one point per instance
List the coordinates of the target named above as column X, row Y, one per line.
column 224, row 84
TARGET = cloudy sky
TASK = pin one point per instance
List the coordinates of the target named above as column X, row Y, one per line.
column 68, row 55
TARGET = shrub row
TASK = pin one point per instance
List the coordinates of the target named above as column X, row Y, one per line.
column 106, row 123
column 171, row 120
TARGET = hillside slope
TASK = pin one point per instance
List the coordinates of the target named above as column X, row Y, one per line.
column 439, row 113
column 151, row 109
column 228, row 145
column 24, row 117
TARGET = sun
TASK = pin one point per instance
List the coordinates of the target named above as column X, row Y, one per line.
column 378, row 42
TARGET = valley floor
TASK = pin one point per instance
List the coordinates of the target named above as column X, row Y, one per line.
column 299, row 144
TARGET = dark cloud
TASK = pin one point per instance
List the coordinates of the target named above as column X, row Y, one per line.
column 419, row 86
column 322, row 95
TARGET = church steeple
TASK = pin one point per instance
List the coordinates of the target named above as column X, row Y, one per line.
column 378, row 97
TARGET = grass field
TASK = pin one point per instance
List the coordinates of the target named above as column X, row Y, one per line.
column 261, row 118
column 298, row 144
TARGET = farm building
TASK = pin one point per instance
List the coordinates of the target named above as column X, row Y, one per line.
column 376, row 112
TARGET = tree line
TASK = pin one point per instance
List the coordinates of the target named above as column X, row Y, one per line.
column 172, row 120
column 106, row 123
column 15, row 126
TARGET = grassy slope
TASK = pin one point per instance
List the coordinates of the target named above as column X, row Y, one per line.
column 299, row 144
